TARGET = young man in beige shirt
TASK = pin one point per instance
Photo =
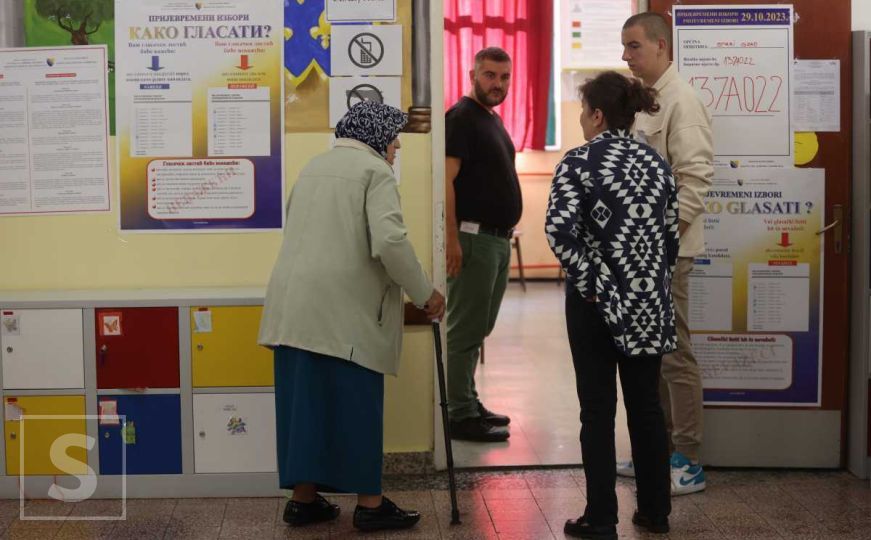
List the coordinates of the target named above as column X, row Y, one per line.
column 681, row 132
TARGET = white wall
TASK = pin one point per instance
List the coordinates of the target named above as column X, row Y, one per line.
column 861, row 14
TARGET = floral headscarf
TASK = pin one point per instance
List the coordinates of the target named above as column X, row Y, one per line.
column 373, row 123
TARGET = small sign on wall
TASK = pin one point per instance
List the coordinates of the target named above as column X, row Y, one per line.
column 366, row 50
column 360, row 10
column 345, row 92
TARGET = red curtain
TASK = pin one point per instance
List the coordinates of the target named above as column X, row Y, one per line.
column 524, row 28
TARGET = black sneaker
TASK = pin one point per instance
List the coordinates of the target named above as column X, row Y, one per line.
column 386, row 516
column 494, row 419
column 579, row 528
column 298, row 514
column 655, row 525
column 478, row 430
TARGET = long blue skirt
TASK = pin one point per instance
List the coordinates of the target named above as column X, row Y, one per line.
column 330, row 422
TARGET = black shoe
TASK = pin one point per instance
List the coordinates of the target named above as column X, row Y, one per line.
column 477, row 429
column 298, row 513
column 386, row 516
column 579, row 528
column 492, row 418
column 655, row 525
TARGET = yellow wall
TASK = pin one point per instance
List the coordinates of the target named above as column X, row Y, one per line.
column 88, row 252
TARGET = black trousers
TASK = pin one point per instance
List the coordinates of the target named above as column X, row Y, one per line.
column 596, row 360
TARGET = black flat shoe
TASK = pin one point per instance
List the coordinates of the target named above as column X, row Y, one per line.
column 579, row 528
column 655, row 525
column 298, row 514
column 477, row 429
column 494, row 419
column 386, row 516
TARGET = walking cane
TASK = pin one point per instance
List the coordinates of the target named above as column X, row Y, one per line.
column 440, row 368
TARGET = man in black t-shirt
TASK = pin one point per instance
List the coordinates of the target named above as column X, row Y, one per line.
column 483, row 205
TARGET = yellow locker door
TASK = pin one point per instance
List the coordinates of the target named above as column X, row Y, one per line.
column 51, row 446
column 224, row 350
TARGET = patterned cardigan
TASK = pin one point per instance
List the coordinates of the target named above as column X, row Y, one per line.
column 612, row 221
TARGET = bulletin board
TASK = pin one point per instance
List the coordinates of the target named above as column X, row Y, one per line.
column 823, row 32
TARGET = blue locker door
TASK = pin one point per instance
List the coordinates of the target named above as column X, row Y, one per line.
column 151, row 438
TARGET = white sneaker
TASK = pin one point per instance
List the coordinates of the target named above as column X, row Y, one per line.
column 686, row 477
column 626, row 469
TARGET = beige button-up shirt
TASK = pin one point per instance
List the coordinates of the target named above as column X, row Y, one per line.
column 681, row 133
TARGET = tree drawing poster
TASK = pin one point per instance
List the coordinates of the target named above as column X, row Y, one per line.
column 55, row 23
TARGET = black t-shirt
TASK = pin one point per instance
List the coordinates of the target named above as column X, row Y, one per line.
column 486, row 188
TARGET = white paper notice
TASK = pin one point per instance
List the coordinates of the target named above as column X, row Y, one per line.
column 740, row 59
column 345, row 92
column 745, row 361
column 202, row 321
column 108, row 414
column 161, row 124
column 778, row 298
column 366, row 50
column 360, row 10
column 817, row 95
column 13, row 411
column 238, row 117
column 201, row 188
column 591, row 33
column 711, row 293
column 54, row 126
column 10, row 324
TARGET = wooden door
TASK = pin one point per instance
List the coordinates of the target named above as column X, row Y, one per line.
column 746, row 436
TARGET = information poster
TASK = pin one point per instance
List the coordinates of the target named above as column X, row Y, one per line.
column 756, row 295
column 54, row 130
column 590, row 32
column 199, row 119
column 740, row 60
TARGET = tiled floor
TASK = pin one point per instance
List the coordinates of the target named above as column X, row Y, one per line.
column 528, row 375
column 514, row 505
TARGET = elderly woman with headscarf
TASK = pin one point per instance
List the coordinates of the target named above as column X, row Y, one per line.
column 333, row 316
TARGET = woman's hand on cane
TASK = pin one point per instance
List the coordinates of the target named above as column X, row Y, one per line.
column 435, row 306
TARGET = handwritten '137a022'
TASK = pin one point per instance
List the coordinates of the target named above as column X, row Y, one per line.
column 734, row 94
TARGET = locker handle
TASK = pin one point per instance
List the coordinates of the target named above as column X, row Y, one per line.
column 200, row 346
column 202, row 434
column 103, row 351
column 9, row 349
column 12, row 435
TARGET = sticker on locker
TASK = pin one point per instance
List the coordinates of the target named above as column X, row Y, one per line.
column 202, row 321
column 11, row 324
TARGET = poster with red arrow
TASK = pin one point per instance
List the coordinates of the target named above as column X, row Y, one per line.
column 200, row 126
column 756, row 295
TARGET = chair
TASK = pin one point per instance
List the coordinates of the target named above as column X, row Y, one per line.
column 515, row 241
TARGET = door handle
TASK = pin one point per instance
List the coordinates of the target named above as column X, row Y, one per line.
column 837, row 228
column 9, row 349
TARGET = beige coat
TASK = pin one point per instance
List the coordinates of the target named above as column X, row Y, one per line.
column 681, row 133
column 336, row 288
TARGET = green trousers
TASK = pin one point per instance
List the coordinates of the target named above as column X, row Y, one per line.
column 474, row 297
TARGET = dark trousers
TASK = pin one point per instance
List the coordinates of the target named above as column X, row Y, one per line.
column 597, row 360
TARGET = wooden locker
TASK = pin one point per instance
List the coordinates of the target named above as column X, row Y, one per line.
column 224, row 350
column 234, row 433
column 149, row 436
column 137, row 347
column 42, row 348
column 35, row 436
